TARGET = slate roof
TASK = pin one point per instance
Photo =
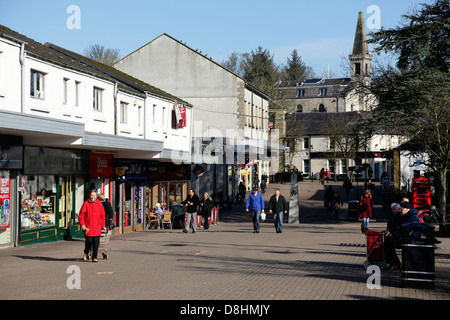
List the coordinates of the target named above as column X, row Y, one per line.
column 335, row 87
column 316, row 123
column 65, row 58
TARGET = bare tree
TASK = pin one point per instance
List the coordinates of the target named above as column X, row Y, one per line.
column 101, row 54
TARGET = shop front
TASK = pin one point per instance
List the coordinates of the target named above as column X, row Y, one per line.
column 101, row 175
column 167, row 184
column 141, row 184
column 51, row 189
column 11, row 161
column 130, row 176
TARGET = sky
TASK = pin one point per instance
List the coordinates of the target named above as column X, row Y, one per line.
column 322, row 31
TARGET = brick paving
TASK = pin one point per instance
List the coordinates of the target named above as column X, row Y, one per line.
column 318, row 259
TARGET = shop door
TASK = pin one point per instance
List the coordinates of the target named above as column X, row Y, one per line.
column 66, row 208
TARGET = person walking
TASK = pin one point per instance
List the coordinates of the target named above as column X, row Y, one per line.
column 206, row 205
column 366, row 205
column 348, row 186
column 328, row 198
column 109, row 213
column 192, row 201
column 263, row 186
column 92, row 221
column 256, row 203
column 242, row 191
column 278, row 206
column 337, row 203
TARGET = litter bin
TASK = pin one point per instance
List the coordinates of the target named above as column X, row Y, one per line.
column 353, row 209
column 418, row 255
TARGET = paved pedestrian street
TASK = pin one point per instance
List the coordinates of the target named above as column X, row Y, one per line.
column 320, row 258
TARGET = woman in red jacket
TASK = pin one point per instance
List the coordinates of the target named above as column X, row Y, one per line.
column 92, row 221
column 366, row 205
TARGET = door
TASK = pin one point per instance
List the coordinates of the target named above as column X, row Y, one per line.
column 65, row 207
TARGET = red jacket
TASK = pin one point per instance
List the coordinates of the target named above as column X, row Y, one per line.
column 366, row 205
column 92, row 215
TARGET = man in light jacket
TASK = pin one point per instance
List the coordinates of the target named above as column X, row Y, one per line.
column 278, row 206
column 256, row 203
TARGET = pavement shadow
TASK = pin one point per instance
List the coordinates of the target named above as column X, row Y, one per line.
column 41, row 258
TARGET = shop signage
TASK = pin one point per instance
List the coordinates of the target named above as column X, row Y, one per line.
column 168, row 171
column 102, row 165
column 40, row 160
column 198, row 171
column 131, row 169
column 11, row 152
column 180, row 113
column 5, row 202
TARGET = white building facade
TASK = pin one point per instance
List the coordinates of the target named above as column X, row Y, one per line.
column 65, row 121
column 226, row 109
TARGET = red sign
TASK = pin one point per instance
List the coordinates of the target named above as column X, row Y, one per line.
column 102, row 165
column 182, row 121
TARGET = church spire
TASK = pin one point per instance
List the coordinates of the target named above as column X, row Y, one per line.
column 360, row 58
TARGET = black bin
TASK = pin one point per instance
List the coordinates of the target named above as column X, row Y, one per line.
column 353, row 209
column 418, row 255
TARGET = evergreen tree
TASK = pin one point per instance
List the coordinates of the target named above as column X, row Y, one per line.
column 414, row 97
column 296, row 69
column 260, row 70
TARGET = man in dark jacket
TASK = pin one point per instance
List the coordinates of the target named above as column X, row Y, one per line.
column 401, row 215
column 192, row 202
column 278, row 206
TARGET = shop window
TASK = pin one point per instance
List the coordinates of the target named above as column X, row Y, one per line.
column 5, row 204
column 38, row 202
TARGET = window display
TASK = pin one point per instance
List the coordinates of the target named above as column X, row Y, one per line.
column 38, row 202
column 5, row 199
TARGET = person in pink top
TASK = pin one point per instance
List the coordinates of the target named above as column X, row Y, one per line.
column 92, row 221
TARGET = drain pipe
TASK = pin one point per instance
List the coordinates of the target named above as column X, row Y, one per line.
column 22, row 57
column 115, row 108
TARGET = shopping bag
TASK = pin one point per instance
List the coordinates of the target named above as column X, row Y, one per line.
column 263, row 216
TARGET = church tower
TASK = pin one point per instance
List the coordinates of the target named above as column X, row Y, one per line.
column 360, row 58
